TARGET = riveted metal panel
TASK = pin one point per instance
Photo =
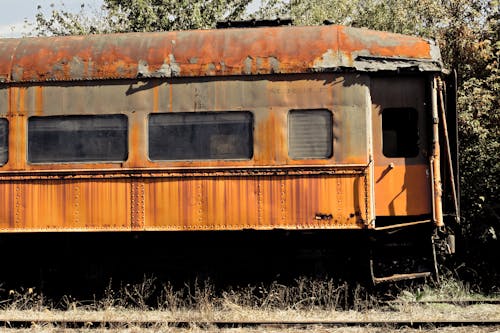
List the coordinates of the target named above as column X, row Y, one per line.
column 53, row 204
column 255, row 202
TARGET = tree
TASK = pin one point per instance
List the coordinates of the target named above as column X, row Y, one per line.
column 479, row 124
column 139, row 15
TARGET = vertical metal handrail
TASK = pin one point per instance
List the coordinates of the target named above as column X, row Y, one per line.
column 435, row 159
column 448, row 153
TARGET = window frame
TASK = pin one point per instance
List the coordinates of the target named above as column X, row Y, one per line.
column 122, row 117
column 251, row 138
column 6, row 122
column 412, row 152
column 330, row 134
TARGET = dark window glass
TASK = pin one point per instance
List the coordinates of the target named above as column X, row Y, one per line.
column 400, row 132
column 4, row 141
column 310, row 134
column 201, row 136
column 77, row 139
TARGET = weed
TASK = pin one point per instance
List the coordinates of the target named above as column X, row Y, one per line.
column 25, row 299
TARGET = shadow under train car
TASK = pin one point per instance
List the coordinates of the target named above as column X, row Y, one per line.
column 83, row 264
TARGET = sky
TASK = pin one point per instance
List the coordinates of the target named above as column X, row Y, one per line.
column 13, row 13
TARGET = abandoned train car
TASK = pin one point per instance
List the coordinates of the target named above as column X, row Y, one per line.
column 297, row 128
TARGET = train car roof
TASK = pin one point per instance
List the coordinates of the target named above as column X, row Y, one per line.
column 205, row 53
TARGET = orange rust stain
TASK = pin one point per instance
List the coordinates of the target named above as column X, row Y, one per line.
column 383, row 44
column 137, row 204
column 22, row 101
column 38, row 100
column 17, row 128
column 197, row 53
column 65, row 205
column 261, row 202
column 156, row 91
column 402, row 190
column 135, row 157
column 270, row 133
column 170, row 98
column 188, row 203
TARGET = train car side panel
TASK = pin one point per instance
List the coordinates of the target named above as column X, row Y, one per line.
column 50, row 205
column 270, row 189
column 262, row 202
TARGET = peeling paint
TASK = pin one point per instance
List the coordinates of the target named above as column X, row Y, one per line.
column 210, row 68
column 223, row 66
column 245, row 51
column 175, row 69
column 275, row 65
column 329, row 59
column 77, row 68
column 143, row 69
column 248, row 65
column 17, row 73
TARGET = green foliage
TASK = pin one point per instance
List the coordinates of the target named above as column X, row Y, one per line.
column 161, row 15
column 62, row 22
column 138, row 16
column 408, row 16
column 479, row 124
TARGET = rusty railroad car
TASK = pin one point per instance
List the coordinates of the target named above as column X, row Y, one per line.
column 295, row 128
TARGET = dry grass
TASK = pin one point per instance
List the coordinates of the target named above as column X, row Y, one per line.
column 310, row 329
column 304, row 300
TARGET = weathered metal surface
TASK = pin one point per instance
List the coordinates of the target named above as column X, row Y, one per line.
column 65, row 205
column 402, row 225
column 311, row 202
column 403, row 190
column 435, row 159
column 448, row 153
column 268, row 98
column 402, row 184
column 190, row 203
column 400, row 277
column 276, row 50
column 270, row 190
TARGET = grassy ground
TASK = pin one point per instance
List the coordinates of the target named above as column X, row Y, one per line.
column 303, row 300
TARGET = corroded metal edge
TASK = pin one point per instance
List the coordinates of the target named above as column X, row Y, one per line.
column 225, row 52
column 154, row 173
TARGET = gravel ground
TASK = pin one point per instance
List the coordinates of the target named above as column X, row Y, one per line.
column 311, row 329
column 402, row 312
column 407, row 312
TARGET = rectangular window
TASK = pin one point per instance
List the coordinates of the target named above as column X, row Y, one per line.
column 63, row 139
column 400, row 132
column 4, row 141
column 310, row 134
column 201, row 136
